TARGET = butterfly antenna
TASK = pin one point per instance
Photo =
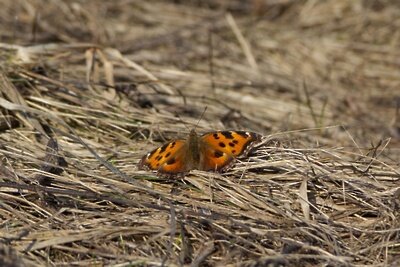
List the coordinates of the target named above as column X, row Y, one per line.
column 179, row 117
column 202, row 114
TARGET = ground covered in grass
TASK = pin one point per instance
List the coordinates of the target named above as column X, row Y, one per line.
column 88, row 87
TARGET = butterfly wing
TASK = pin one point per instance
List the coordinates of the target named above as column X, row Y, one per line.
column 220, row 148
column 168, row 160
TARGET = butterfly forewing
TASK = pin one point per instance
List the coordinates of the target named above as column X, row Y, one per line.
column 236, row 143
column 168, row 158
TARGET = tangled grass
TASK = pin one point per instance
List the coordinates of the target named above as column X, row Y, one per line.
column 88, row 89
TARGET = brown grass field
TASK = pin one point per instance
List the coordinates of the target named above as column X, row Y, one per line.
column 89, row 87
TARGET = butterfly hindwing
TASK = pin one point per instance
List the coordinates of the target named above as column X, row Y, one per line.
column 213, row 159
column 168, row 158
column 222, row 147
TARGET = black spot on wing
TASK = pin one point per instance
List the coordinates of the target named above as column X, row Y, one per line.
column 173, row 144
column 215, row 135
column 243, row 134
column 227, row 134
column 171, row 161
column 235, row 142
column 218, row 154
column 231, row 144
column 221, row 144
column 163, row 148
column 168, row 154
column 151, row 154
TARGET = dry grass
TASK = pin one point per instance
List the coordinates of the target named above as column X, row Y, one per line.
column 108, row 82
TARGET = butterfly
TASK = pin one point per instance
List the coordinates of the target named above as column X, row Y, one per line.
column 213, row 151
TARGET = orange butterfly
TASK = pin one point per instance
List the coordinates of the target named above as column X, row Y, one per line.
column 213, row 151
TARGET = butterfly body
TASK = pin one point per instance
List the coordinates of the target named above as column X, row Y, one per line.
column 213, row 151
